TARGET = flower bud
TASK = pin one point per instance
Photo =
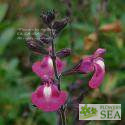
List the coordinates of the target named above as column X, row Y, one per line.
column 99, row 52
column 64, row 52
column 45, row 39
column 59, row 25
column 35, row 46
column 48, row 17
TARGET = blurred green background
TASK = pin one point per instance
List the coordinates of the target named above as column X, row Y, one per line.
column 95, row 23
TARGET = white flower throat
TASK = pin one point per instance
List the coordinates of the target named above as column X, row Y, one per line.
column 101, row 63
column 47, row 91
column 50, row 62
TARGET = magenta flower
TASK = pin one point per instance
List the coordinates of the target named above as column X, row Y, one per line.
column 48, row 98
column 44, row 68
column 94, row 64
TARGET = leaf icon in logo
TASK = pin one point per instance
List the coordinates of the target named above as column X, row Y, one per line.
column 94, row 110
column 85, row 110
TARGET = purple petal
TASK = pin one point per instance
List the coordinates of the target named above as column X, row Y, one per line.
column 86, row 65
column 53, row 103
column 98, row 74
column 44, row 68
column 99, row 52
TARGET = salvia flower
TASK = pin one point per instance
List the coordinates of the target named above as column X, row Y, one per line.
column 44, row 68
column 48, row 98
column 94, row 63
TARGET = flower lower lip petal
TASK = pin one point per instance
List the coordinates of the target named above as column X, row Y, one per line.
column 98, row 76
column 51, row 100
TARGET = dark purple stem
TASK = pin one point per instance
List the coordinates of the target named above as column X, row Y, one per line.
column 53, row 56
column 58, row 77
column 63, row 116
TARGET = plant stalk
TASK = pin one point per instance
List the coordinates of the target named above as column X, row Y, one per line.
column 63, row 118
column 58, row 77
column 54, row 60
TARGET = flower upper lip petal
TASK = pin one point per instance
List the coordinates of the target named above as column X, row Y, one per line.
column 44, row 68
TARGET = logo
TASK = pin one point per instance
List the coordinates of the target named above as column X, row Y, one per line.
column 99, row 111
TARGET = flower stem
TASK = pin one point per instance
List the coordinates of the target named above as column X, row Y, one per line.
column 58, row 77
column 54, row 60
column 63, row 118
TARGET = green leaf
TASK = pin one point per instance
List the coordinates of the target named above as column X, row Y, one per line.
column 3, row 10
column 109, row 83
column 1, row 120
column 83, row 27
column 5, row 38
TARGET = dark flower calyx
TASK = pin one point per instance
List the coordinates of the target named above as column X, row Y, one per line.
column 64, row 52
column 59, row 25
column 36, row 47
column 32, row 45
column 45, row 39
column 73, row 70
column 48, row 16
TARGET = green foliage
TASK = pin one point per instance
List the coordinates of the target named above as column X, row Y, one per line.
column 3, row 10
column 5, row 38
